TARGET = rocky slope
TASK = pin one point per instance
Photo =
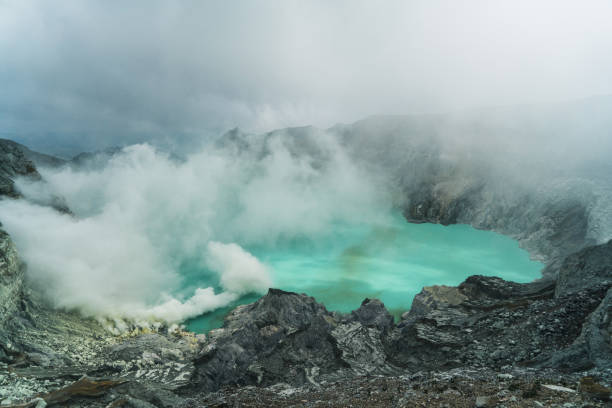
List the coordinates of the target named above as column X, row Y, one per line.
column 11, row 290
column 486, row 338
column 14, row 163
column 288, row 346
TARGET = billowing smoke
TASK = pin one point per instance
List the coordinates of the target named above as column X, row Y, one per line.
column 240, row 271
column 140, row 219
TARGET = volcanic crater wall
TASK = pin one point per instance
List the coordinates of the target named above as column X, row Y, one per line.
column 560, row 322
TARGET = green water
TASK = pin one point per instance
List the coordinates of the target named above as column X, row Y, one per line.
column 391, row 261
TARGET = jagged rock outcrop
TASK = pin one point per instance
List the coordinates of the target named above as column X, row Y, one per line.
column 585, row 269
column 11, row 292
column 283, row 337
column 582, row 272
column 11, row 278
column 290, row 338
column 563, row 323
column 549, row 228
column 490, row 322
column 14, row 163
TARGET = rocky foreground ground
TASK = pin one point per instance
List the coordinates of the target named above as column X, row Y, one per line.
column 456, row 388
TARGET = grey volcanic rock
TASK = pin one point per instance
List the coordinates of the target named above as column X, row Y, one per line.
column 289, row 338
column 362, row 348
column 287, row 341
column 283, row 337
column 17, row 161
column 372, row 313
column 580, row 273
column 598, row 334
column 361, row 336
column 594, row 346
column 11, row 278
column 486, row 321
column 491, row 322
column 589, row 267
column 14, row 163
column 452, row 388
column 11, row 292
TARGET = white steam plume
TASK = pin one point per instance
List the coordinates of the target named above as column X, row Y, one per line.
column 139, row 219
column 240, row 271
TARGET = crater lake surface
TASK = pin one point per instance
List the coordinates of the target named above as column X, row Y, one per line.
column 391, row 261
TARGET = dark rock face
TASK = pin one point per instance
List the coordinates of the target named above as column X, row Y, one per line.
column 11, row 278
column 289, row 338
column 11, row 292
column 14, row 163
column 490, row 322
column 593, row 347
column 94, row 160
column 584, row 269
column 598, row 334
column 372, row 313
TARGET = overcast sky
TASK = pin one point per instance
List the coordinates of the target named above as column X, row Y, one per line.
column 79, row 75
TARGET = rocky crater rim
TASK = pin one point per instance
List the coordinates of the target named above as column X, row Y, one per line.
column 552, row 331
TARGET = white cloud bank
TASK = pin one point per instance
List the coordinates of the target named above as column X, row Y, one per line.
column 140, row 219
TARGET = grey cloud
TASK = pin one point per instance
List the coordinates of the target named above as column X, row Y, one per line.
column 89, row 74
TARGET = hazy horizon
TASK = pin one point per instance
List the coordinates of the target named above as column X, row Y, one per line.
column 81, row 76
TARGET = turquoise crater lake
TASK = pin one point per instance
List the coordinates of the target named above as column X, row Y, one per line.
column 391, row 261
